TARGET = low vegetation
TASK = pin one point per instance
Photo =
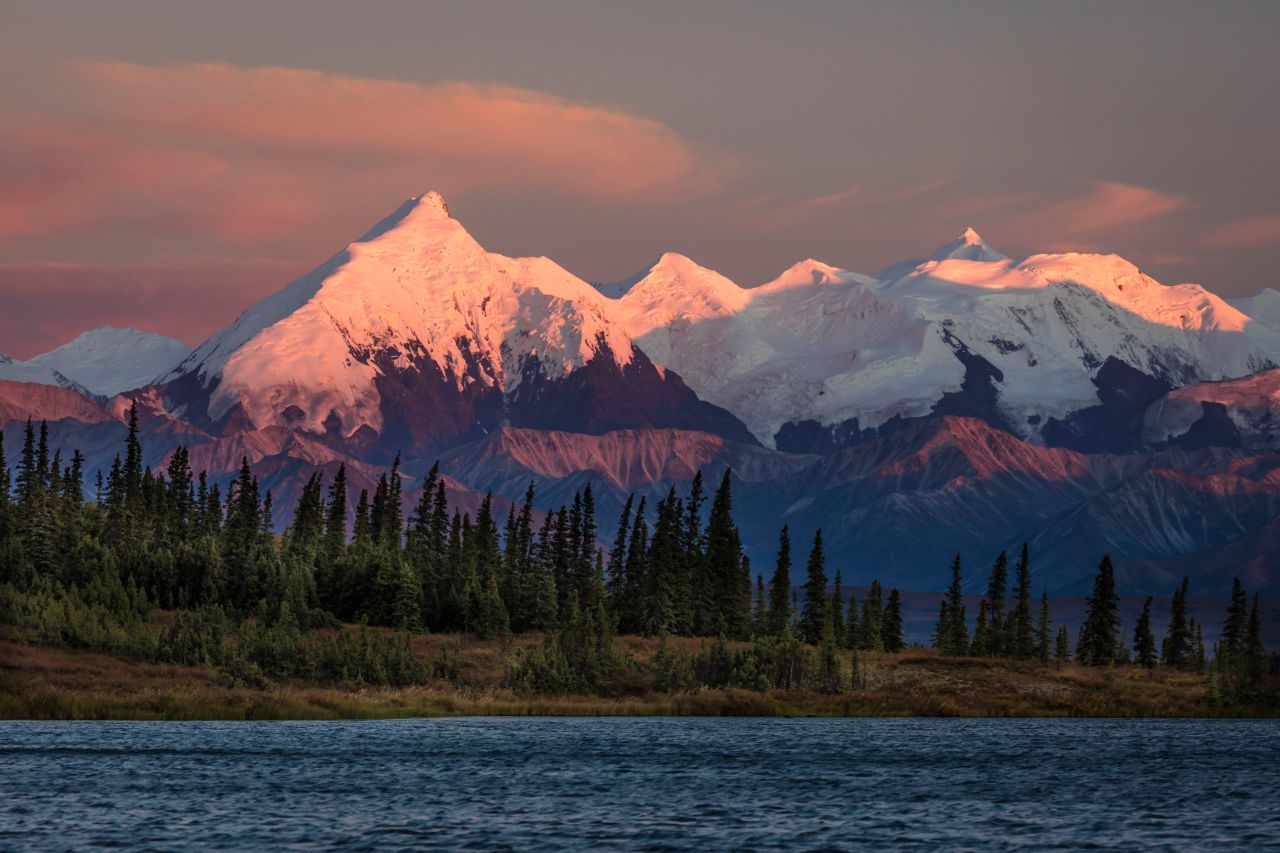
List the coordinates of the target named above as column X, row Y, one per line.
column 162, row 598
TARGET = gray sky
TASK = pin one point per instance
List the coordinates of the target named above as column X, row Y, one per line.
column 162, row 164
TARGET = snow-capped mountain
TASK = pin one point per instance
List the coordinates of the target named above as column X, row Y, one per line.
column 1020, row 341
column 963, row 401
column 100, row 362
column 415, row 335
column 969, row 246
column 1243, row 412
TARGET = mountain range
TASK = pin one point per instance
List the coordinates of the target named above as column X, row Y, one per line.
column 962, row 401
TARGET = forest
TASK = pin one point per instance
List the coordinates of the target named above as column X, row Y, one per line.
column 164, row 566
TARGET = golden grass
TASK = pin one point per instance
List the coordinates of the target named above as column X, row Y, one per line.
column 52, row 683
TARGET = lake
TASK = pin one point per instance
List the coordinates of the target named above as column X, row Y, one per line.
column 658, row 784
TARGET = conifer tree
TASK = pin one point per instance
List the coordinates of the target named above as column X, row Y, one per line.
column 1231, row 644
column 780, row 587
column 760, row 617
column 837, row 608
column 1020, row 641
column 816, row 615
column 28, row 479
column 1144, row 642
column 1062, row 647
column 617, row 572
column 996, row 589
column 1175, row 651
column 1098, row 644
column 852, row 627
column 335, row 529
column 871, row 625
column 636, row 573
column 952, row 633
column 981, row 645
column 1255, row 653
column 892, row 629
column 1042, row 630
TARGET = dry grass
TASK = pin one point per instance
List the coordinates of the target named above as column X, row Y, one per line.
column 50, row 683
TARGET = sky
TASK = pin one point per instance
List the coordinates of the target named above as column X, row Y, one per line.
column 164, row 164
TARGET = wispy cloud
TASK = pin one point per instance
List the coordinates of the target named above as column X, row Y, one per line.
column 1252, row 232
column 241, row 155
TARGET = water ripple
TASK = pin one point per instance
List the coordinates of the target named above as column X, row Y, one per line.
column 684, row 784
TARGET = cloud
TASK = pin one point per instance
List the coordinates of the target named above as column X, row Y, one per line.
column 241, row 155
column 776, row 211
column 1107, row 206
column 1251, row 232
column 48, row 304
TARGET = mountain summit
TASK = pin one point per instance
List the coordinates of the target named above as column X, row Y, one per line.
column 415, row 335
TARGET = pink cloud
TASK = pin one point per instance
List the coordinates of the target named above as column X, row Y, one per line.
column 1251, row 232
column 48, row 304
column 243, row 155
column 1108, row 205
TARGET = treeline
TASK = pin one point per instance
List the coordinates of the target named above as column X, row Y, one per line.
column 1240, row 660
column 90, row 573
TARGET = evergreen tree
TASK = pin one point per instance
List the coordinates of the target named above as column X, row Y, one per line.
column 1231, row 644
column 617, row 580
column 996, row 588
column 816, row 615
column 1042, row 630
column 1255, row 653
column 892, row 629
column 1175, row 651
column 1144, row 642
column 780, row 588
column 1099, row 643
column 871, row 625
column 837, row 607
column 1062, row 647
column 952, row 633
column 335, row 529
column 981, row 645
column 1021, row 643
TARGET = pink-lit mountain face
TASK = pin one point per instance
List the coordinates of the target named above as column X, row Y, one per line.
column 960, row 402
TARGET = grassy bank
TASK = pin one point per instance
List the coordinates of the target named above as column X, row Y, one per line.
column 40, row 682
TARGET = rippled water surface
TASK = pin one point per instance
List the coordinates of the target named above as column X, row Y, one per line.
column 643, row 783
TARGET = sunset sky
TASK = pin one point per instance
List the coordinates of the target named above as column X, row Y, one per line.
column 164, row 164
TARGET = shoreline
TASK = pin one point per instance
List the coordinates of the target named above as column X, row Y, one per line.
column 49, row 683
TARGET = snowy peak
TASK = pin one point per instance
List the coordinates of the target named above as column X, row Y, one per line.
column 100, row 363
column 969, row 246
column 676, row 289
column 416, row 295
column 811, row 273
column 109, row 360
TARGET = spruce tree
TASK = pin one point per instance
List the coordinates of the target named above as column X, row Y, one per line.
column 892, row 628
column 981, row 645
column 1021, row 642
column 780, row 587
column 1231, row 644
column 871, row 625
column 1255, row 653
column 617, row 572
column 1099, row 643
column 1144, row 642
column 952, row 635
column 997, row 586
column 335, row 529
column 816, row 615
column 1062, row 647
column 1043, row 628
column 837, row 608
column 1175, row 651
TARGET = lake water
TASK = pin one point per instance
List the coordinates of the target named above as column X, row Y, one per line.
column 659, row 784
